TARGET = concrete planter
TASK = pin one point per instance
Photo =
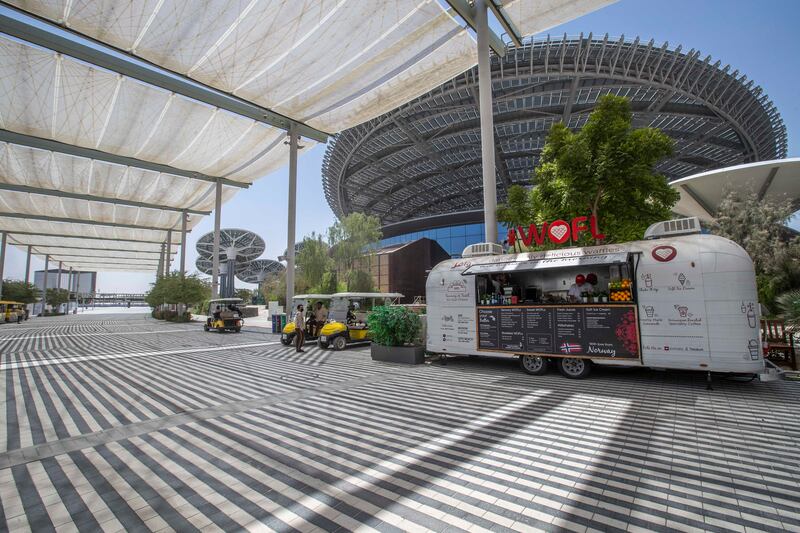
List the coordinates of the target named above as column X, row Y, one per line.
column 410, row 355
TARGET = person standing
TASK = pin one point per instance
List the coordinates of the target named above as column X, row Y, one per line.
column 299, row 329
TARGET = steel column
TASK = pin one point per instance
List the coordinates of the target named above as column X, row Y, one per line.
column 215, row 257
column 184, row 216
column 160, row 270
column 487, row 122
column 2, row 259
column 28, row 265
column 168, row 256
column 290, row 229
column 44, row 285
column 58, row 280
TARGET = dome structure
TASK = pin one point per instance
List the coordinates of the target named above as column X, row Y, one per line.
column 423, row 159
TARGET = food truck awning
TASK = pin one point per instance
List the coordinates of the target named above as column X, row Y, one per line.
column 547, row 262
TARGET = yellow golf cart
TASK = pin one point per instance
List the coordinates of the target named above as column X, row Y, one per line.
column 11, row 311
column 309, row 302
column 347, row 322
column 224, row 315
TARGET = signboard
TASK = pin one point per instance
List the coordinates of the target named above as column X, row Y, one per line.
column 597, row 331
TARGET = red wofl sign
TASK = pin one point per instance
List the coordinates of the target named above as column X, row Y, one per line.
column 558, row 231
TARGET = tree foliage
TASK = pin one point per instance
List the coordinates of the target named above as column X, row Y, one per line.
column 758, row 226
column 19, row 291
column 314, row 260
column 174, row 289
column 56, row 297
column 606, row 169
column 350, row 238
column 789, row 306
column 245, row 294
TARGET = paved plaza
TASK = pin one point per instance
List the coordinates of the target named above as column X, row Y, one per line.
column 120, row 422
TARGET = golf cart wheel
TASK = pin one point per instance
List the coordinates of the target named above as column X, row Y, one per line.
column 237, row 330
column 574, row 368
column 205, row 328
column 534, row 365
column 322, row 345
column 339, row 343
column 287, row 341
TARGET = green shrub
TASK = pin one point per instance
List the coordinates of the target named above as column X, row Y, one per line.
column 393, row 325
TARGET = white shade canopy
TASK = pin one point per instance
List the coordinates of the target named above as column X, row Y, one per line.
column 130, row 115
column 702, row 193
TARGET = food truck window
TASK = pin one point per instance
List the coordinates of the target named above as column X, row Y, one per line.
column 610, row 283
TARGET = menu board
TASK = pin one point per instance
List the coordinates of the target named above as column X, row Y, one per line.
column 599, row 331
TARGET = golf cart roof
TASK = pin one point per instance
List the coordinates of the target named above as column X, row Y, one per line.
column 312, row 297
column 226, row 300
column 359, row 295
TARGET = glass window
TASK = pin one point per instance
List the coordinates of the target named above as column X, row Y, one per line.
column 457, row 245
column 442, row 233
column 458, row 231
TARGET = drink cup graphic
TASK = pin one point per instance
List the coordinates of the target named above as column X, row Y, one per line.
column 682, row 310
column 648, row 280
column 751, row 317
column 753, row 347
column 649, row 310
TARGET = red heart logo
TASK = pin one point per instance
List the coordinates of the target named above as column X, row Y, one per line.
column 559, row 231
column 664, row 253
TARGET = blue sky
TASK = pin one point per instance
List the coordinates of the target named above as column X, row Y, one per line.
column 756, row 37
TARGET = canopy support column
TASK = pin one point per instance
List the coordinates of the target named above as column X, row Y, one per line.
column 215, row 256
column 168, row 256
column 290, row 229
column 44, row 285
column 28, row 265
column 2, row 260
column 70, row 279
column 487, row 122
column 184, row 215
column 58, row 281
column 160, row 271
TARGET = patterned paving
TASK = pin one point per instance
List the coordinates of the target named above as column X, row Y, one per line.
column 125, row 423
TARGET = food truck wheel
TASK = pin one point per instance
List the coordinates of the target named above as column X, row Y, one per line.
column 574, row 368
column 287, row 340
column 322, row 345
column 533, row 364
column 339, row 343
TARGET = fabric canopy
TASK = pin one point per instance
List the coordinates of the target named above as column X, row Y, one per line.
column 327, row 64
column 546, row 262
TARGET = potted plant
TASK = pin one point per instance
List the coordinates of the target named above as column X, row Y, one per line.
column 394, row 331
column 585, row 297
column 603, row 297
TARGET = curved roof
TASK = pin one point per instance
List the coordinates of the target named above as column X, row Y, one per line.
column 702, row 193
column 423, row 158
column 116, row 118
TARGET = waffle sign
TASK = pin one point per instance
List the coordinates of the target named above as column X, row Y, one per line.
column 558, row 231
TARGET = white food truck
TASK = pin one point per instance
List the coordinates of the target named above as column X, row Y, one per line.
column 677, row 300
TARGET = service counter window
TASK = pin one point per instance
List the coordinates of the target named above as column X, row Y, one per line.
column 540, row 283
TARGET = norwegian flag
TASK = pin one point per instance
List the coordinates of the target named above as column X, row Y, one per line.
column 569, row 347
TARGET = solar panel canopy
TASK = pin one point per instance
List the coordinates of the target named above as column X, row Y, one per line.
column 128, row 159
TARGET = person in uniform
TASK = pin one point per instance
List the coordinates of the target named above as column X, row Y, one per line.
column 299, row 329
column 320, row 317
column 579, row 287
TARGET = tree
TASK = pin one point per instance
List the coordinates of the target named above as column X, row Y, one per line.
column 350, row 239
column 245, row 294
column 789, row 305
column 19, row 291
column 606, row 170
column 517, row 211
column 314, row 260
column 174, row 289
column 758, row 226
column 56, row 297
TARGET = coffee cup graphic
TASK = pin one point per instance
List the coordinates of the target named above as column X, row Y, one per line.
column 683, row 311
column 752, row 345
column 751, row 317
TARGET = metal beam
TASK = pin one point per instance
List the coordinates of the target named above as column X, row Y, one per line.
column 762, row 192
column 292, row 219
column 42, row 32
column 73, row 221
column 93, row 198
column 65, row 236
column 49, row 247
column 702, row 203
column 505, row 21
column 183, row 245
column 467, row 12
column 2, row 259
column 58, row 255
column 28, row 265
column 50, row 145
column 487, row 123
column 215, row 257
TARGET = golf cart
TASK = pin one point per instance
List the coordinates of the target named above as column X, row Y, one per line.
column 347, row 322
column 12, row 311
column 308, row 301
column 223, row 314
